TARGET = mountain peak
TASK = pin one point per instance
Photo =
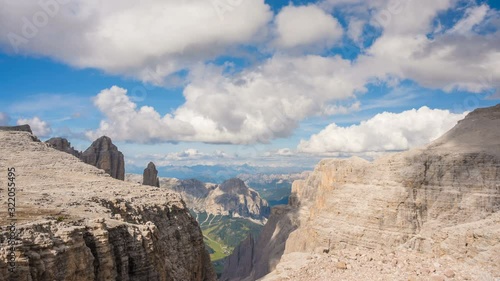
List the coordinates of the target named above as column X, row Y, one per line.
column 234, row 186
column 103, row 154
column 479, row 131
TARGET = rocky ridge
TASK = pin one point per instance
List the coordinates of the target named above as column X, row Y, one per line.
column 426, row 214
column 64, row 145
column 20, row 128
column 75, row 222
column 102, row 153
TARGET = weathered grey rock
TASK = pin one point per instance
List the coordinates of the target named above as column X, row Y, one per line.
column 20, row 128
column 76, row 223
column 150, row 175
column 63, row 145
column 241, row 262
column 439, row 200
column 231, row 198
column 103, row 154
column 252, row 259
column 238, row 199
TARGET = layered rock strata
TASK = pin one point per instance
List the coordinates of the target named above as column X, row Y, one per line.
column 439, row 202
column 75, row 222
column 254, row 258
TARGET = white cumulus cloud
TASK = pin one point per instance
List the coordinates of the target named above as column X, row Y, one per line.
column 256, row 105
column 270, row 98
column 384, row 132
column 305, row 27
column 448, row 61
column 125, row 122
column 39, row 127
column 149, row 39
column 473, row 17
column 355, row 30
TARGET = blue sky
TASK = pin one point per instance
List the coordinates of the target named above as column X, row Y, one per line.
column 275, row 83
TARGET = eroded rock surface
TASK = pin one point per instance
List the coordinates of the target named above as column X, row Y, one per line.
column 75, row 222
column 103, row 154
column 253, row 258
column 436, row 204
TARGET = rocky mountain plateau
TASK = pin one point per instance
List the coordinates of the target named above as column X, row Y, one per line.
column 75, row 222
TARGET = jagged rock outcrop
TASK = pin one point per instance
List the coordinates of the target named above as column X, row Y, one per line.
column 150, row 175
column 103, row 154
column 63, row 145
column 436, row 203
column 75, row 222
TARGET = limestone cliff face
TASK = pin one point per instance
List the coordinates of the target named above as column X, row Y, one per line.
column 64, row 145
column 253, row 259
column 103, row 154
column 75, row 222
column 439, row 200
column 150, row 175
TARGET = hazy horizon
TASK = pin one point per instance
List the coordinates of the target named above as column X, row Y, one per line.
column 278, row 84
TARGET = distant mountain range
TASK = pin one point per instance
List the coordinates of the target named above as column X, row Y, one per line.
column 215, row 173
column 227, row 213
column 231, row 198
